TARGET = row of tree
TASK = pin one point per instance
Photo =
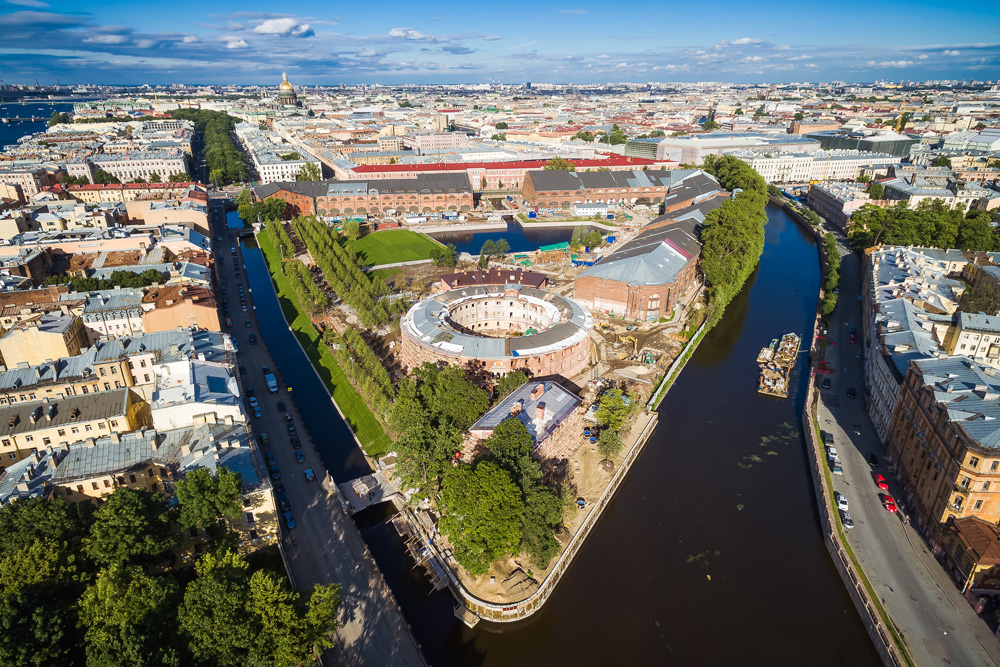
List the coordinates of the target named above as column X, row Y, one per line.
column 99, row 585
column 280, row 238
column 343, row 273
column 272, row 208
column 832, row 277
column 930, row 224
column 304, row 287
column 116, row 279
column 364, row 369
column 733, row 235
column 226, row 163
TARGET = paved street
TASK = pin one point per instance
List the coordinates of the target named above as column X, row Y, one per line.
column 325, row 546
column 936, row 622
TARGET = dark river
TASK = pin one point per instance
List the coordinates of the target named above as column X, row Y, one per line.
column 710, row 553
column 520, row 239
column 11, row 132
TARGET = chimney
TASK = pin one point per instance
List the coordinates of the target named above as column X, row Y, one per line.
column 22, row 487
column 115, row 438
column 185, row 450
column 537, row 392
column 540, row 411
column 515, row 409
column 90, row 442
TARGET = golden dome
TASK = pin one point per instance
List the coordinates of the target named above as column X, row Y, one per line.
column 284, row 83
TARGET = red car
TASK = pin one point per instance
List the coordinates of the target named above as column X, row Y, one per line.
column 881, row 483
column 889, row 503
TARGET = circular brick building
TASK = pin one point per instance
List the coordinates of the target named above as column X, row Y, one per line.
column 500, row 327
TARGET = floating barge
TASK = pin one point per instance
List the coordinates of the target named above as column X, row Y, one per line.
column 776, row 363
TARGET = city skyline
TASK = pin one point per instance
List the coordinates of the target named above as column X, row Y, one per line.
column 581, row 42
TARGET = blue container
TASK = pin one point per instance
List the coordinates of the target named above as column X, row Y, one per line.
column 592, row 439
column 611, row 239
column 586, row 431
column 611, row 217
column 531, row 214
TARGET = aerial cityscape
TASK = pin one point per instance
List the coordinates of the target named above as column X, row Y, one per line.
column 531, row 335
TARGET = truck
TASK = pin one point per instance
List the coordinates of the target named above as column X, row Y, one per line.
column 272, row 384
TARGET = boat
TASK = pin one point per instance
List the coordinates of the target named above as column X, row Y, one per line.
column 776, row 363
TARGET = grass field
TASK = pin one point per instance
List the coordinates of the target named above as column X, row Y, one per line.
column 394, row 245
column 359, row 417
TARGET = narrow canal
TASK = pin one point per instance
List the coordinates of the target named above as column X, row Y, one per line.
column 711, row 552
column 520, row 239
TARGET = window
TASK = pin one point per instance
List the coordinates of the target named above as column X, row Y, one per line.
column 118, row 384
column 74, row 430
column 107, row 484
column 973, row 462
column 131, row 478
column 6, row 442
column 250, row 519
column 29, row 438
column 107, row 386
column 114, row 422
column 143, row 363
column 88, row 427
column 114, row 370
column 94, row 484
column 46, row 441
column 986, row 486
column 61, row 431
column 994, row 466
column 979, row 503
column 12, row 455
column 79, row 488
column 85, row 390
column 104, row 372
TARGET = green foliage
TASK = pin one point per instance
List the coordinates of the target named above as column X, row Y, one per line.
column 614, row 408
column 102, row 177
column 155, row 177
column 75, row 180
column 709, row 125
column 310, row 171
column 510, row 382
column 205, row 498
column 798, row 116
column 863, row 178
column 609, row 444
column 501, row 125
column 131, row 526
column 58, row 118
column 272, row 208
column 365, row 369
column 138, row 179
column 931, row 224
column 983, row 298
column 615, row 137
column 244, row 197
column 941, row 161
column 279, row 236
column 117, row 278
column 352, row 230
column 579, row 232
column 178, row 178
column 499, row 137
column 593, row 239
column 559, row 164
column 483, row 514
column 876, row 191
column 131, row 619
column 584, row 135
column 225, row 161
column 446, row 256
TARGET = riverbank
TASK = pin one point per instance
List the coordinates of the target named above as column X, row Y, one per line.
column 352, row 407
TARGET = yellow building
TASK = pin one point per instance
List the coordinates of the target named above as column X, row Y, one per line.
column 25, row 427
column 49, row 337
column 972, row 548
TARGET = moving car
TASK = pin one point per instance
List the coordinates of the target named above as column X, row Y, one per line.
column 881, row 483
column 888, row 502
column 851, row 393
column 247, row 324
column 841, row 501
column 253, row 339
column 229, row 322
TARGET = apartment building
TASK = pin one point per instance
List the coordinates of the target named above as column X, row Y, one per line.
column 113, row 313
column 25, row 427
column 129, row 166
column 166, row 308
column 188, row 392
column 836, row 165
column 30, row 179
column 273, row 159
column 944, row 444
column 51, row 336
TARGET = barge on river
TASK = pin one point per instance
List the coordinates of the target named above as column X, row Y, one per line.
column 776, row 362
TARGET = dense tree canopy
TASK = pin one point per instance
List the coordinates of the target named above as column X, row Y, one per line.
column 559, row 164
column 225, row 161
column 930, row 224
column 131, row 526
column 117, row 278
column 310, row 172
column 205, row 498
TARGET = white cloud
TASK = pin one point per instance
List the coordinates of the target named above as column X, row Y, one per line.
column 367, row 53
column 603, row 56
column 189, row 39
column 889, row 63
column 951, row 52
column 415, row 35
column 28, row 3
column 742, row 41
column 811, row 65
column 106, row 39
column 621, row 65
column 284, row 26
column 491, row 38
column 237, row 44
column 922, row 56
column 752, row 59
column 801, row 58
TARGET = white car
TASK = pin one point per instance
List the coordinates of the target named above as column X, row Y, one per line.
column 831, row 453
column 841, row 501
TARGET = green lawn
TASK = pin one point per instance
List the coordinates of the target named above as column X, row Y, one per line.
column 359, row 417
column 394, row 245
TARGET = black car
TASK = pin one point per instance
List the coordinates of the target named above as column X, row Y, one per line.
column 872, row 459
column 283, row 502
column 249, row 389
column 851, row 393
column 826, row 383
column 253, row 339
column 275, row 473
column 296, row 443
column 281, row 406
column 279, row 488
column 291, row 428
column 265, row 370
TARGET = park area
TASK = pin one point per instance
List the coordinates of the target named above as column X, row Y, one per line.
column 394, row 245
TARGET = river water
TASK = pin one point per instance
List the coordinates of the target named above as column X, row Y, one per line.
column 710, row 552
column 11, row 132
column 519, row 238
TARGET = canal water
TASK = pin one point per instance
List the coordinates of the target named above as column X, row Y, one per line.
column 11, row 132
column 710, row 552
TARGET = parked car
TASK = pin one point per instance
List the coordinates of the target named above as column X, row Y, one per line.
column 881, row 483
column 283, row 502
column 281, row 406
column 299, row 456
column 846, row 519
column 831, row 453
column 229, row 322
column 275, row 473
column 841, row 501
column 851, row 393
column 837, row 469
column 827, row 438
column 309, row 474
column 872, row 459
column 826, row 383
column 265, row 370
column 888, row 502
column 253, row 339
column 253, row 401
column 291, row 428
column 247, row 324
column 271, row 460
column 296, row 443
column 264, row 440
column 244, row 307
column 288, row 416
column 289, row 520
column 256, row 411
column 279, row 488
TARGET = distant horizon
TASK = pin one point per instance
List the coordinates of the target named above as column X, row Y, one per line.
column 121, row 42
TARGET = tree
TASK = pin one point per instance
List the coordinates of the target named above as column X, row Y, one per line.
column 483, row 514
column 482, row 183
column 244, row 198
column 876, row 191
column 205, row 498
column 709, row 125
column 501, row 125
column 138, row 179
column 559, row 164
column 445, row 256
column 155, row 177
column 739, row 111
column 593, row 239
column 584, row 135
column 976, row 233
column 178, row 178
column 510, row 382
column 576, row 239
column 131, row 526
column 130, row 619
column 213, row 616
column 614, row 408
column 352, row 229
column 863, row 178
column 58, row 118
column 309, row 172
column 942, row 161
column 799, row 116
column 609, row 444
column 982, row 298
column 104, row 178
column 499, row 137
column 287, row 627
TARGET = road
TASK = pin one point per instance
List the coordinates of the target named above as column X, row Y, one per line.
column 935, row 620
column 325, row 546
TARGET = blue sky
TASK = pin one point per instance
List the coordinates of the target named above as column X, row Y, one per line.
column 134, row 42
